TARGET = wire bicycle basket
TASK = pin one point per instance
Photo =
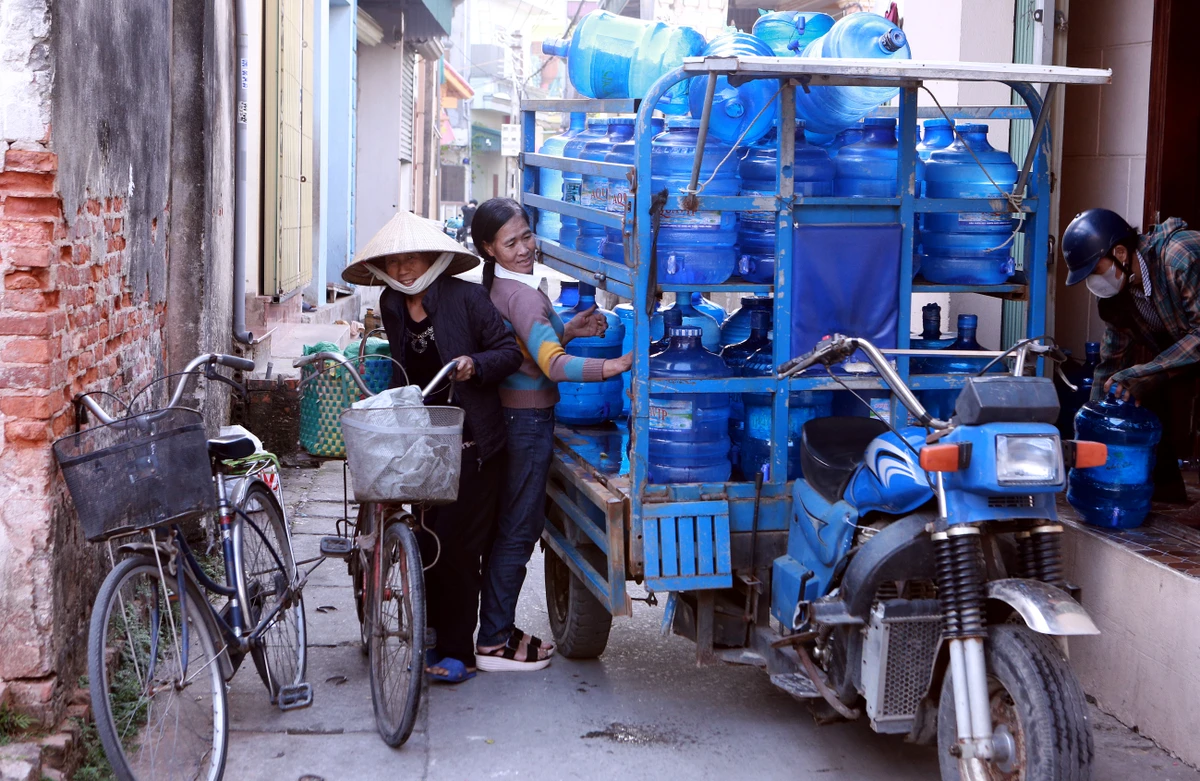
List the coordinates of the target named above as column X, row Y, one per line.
column 404, row 453
column 139, row 472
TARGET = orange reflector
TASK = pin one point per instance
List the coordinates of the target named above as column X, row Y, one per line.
column 1089, row 454
column 939, row 458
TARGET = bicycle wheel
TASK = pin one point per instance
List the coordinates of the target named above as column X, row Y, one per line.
column 268, row 568
column 155, row 677
column 397, row 642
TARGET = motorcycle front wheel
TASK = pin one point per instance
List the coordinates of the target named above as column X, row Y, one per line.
column 1040, row 721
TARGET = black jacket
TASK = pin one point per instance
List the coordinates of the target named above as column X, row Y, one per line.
column 465, row 323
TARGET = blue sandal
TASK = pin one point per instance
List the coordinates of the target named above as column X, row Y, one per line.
column 456, row 671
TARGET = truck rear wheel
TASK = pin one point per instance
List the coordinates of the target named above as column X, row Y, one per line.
column 579, row 622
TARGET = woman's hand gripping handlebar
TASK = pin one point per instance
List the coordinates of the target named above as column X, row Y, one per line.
column 444, row 373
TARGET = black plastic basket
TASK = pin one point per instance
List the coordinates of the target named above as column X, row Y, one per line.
column 143, row 471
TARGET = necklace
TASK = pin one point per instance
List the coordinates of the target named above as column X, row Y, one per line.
column 419, row 342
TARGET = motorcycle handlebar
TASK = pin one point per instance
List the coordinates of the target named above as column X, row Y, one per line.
column 841, row 347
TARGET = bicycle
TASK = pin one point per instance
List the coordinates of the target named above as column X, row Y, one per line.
column 159, row 651
column 380, row 546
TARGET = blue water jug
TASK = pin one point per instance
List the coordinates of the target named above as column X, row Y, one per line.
column 568, row 299
column 711, row 308
column 694, row 318
column 813, row 176
column 589, row 403
column 740, row 115
column 940, row 403
column 700, row 247
column 861, row 35
column 867, row 404
column 572, row 182
column 671, row 318
column 834, row 144
column 593, row 191
column 755, row 447
column 625, row 153
column 613, row 56
column 625, row 313
column 735, row 357
column 1116, row 495
column 1083, row 377
column 939, row 134
column 689, row 432
column 968, row 248
column 550, row 181
column 737, row 328
column 868, row 168
column 788, row 32
column 930, row 338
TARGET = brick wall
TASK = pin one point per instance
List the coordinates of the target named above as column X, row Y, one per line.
column 68, row 324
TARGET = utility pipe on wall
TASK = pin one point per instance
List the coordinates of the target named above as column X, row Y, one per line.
column 241, row 10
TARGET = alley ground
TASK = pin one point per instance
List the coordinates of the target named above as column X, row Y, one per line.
column 642, row 711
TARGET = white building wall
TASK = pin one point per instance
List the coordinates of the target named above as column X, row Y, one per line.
column 340, row 152
column 1104, row 136
column 383, row 183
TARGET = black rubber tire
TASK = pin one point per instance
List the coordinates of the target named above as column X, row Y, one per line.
column 579, row 623
column 281, row 654
column 1031, row 680
column 396, row 692
column 130, row 579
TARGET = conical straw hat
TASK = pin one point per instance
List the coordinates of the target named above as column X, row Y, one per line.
column 404, row 233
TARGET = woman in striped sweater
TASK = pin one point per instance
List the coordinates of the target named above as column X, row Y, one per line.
column 506, row 243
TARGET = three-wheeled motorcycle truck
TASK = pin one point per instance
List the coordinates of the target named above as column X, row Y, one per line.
column 912, row 572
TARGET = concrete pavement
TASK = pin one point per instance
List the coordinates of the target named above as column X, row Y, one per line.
column 643, row 710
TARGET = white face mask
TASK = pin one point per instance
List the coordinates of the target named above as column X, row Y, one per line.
column 1108, row 284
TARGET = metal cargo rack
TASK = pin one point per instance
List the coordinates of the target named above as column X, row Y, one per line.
column 610, row 524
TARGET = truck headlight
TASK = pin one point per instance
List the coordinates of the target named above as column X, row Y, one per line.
column 1028, row 460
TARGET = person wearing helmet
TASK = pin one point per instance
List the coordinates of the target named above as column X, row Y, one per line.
column 1148, row 288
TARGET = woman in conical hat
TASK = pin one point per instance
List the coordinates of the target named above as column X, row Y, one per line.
column 432, row 318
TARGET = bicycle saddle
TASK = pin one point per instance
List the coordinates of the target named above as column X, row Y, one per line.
column 228, row 448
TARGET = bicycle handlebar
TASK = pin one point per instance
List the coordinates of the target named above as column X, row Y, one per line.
column 210, row 359
column 340, row 359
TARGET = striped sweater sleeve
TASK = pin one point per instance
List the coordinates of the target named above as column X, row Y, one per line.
column 538, row 328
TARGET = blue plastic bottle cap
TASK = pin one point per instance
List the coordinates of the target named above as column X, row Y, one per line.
column 621, row 121
column 879, row 122
column 674, row 123
column 687, row 331
column 734, row 108
column 941, row 122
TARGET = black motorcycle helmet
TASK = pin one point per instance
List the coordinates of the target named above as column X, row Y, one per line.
column 1089, row 237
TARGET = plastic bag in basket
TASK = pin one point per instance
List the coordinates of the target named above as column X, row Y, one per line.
column 401, row 451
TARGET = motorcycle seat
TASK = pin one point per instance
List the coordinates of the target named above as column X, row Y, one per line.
column 831, row 448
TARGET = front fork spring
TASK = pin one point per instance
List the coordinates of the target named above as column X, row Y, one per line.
column 1040, row 551
column 960, row 574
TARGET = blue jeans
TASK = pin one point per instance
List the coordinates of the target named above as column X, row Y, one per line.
column 522, row 518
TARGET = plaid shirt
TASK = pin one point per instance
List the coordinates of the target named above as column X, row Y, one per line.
column 1135, row 355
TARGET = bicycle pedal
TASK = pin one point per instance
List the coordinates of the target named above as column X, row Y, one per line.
column 338, row 547
column 295, row 696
